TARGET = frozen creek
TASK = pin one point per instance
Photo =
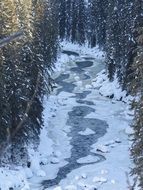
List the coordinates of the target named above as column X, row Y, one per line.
column 81, row 144
column 88, row 131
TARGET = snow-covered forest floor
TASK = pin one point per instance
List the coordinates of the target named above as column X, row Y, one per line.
column 85, row 140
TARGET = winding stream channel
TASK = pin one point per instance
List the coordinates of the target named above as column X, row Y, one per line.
column 81, row 144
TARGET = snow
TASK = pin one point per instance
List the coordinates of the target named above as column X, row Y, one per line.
column 55, row 146
column 87, row 132
column 109, row 89
column 55, row 160
column 57, row 188
column 13, row 178
column 84, row 50
column 87, row 159
column 101, row 148
column 99, row 179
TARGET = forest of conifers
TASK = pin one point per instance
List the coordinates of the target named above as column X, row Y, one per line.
column 116, row 26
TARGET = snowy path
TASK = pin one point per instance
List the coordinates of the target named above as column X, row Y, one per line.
column 88, row 132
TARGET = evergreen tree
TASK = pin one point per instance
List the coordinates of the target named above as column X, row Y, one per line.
column 24, row 73
column 62, row 19
column 136, row 88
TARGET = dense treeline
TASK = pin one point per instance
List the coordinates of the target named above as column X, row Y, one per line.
column 24, row 73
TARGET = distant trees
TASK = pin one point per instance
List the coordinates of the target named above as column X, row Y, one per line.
column 24, row 76
column 72, row 20
column 98, row 20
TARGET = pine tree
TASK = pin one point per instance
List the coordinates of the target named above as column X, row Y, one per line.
column 136, row 88
column 24, row 66
column 62, row 19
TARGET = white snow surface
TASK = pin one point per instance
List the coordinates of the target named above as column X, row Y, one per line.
column 55, row 145
column 87, row 159
column 87, row 132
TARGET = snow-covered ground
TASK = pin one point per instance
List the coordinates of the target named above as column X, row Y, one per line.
column 83, row 91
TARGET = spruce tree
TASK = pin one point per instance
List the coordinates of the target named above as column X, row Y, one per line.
column 137, row 89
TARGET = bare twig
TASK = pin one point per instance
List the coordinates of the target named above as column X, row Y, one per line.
column 11, row 38
column 29, row 104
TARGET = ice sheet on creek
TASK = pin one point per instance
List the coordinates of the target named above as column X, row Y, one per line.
column 89, row 58
column 81, row 145
column 70, row 53
column 81, row 95
column 84, row 77
column 64, row 86
column 84, row 64
column 81, row 65
column 90, row 103
column 77, row 70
